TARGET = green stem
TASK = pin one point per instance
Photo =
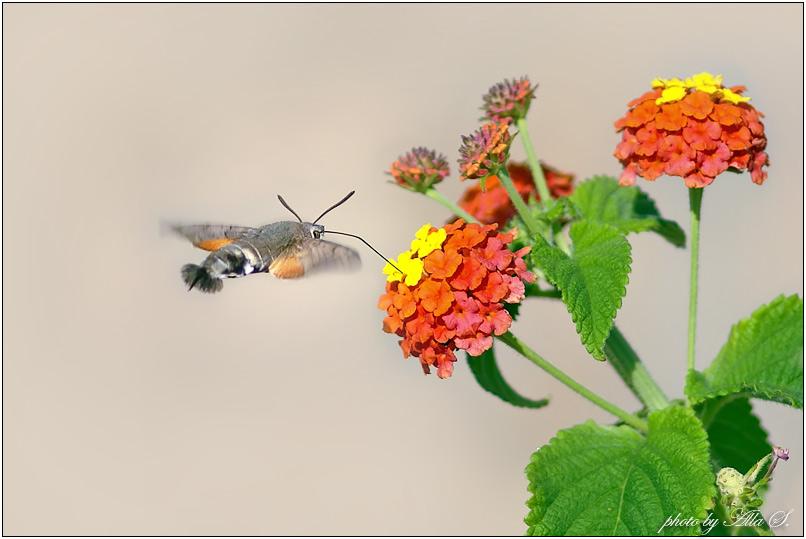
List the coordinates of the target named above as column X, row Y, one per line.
column 560, row 243
column 634, row 373
column 539, row 178
column 436, row 195
column 517, row 200
column 509, row 339
column 695, row 204
column 534, row 164
column 722, row 513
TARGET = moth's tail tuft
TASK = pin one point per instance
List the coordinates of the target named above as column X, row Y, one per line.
column 199, row 277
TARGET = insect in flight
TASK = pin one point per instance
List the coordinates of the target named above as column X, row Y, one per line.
column 285, row 249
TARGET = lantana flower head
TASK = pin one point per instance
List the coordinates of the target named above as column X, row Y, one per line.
column 508, row 100
column 485, row 151
column 493, row 205
column 695, row 129
column 448, row 292
column 419, row 169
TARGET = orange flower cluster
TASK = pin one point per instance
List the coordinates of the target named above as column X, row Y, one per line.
column 493, row 204
column 454, row 295
column 695, row 129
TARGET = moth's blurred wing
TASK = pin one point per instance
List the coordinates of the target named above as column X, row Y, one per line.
column 313, row 257
column 211, row 237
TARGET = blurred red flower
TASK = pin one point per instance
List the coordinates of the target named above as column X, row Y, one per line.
column 493, row 205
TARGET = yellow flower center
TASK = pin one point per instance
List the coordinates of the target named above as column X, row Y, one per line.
column 410, row 262
column 427, row 241
column 411, row 268
column 676, row 89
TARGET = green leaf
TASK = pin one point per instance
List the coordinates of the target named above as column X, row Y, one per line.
column 602, row 480
column 734, row 432
column 763, row 357
column 628, row 209
column 592, row 280
column 485, row 369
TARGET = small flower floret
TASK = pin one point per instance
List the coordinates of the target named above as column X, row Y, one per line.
column 426, row 241
column 508, row 100
column 407, row 268
column 419, row 169
column 485, row 151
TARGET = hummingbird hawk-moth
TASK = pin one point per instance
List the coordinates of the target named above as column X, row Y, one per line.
column 285, row 249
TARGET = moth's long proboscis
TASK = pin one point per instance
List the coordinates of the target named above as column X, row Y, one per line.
column 363, row 240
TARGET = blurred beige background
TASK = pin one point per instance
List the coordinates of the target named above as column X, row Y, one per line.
column 134, row 407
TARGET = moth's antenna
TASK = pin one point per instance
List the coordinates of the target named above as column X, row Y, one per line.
column 363, row 240
column 289, row 207
column 336, row 205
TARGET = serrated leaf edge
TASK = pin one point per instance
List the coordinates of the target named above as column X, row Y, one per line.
column 597, row 353
column 748, row 388
column 705, row 501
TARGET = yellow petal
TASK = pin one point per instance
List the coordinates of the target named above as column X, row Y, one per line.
column 703, row 80
column 428, row 243
column 667, row 83
column 414, row 270
column 436, row 239
column 393, row 273
column 423, row 232
column 670, row 95
column 420, row 238
column 732, row 97
column 410, row 269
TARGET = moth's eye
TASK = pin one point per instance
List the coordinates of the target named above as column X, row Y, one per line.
column 316, row 234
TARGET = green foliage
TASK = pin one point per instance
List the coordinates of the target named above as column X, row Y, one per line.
column 763, row 357
column 550, row 219
column 592, row 279
column 485, row 369
column 628, row 209
column 603, row 480
column 734, row 432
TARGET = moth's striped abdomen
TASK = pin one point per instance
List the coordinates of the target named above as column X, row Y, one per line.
column 237, row 259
